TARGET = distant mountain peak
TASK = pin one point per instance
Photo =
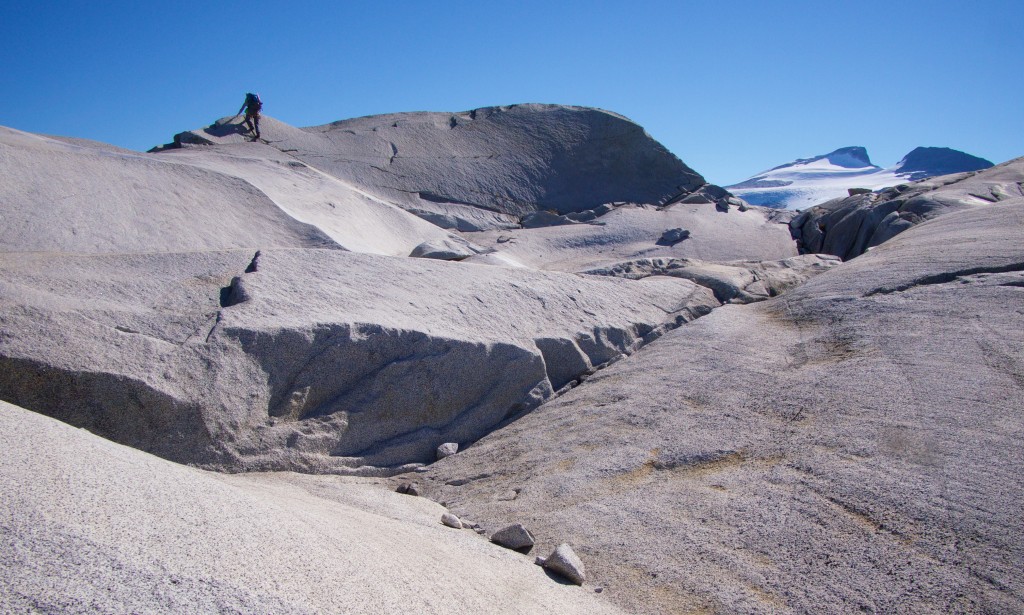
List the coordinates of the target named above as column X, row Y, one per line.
column 932, row 161
column 852, row 157
column 809, row 181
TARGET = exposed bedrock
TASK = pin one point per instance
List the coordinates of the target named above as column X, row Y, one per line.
column 850, row 226
column 324, row 360
column 489, row 167
column 731, row 282
column 854, row 443
column 513, row 160
column 59, row 197
column 90, row 526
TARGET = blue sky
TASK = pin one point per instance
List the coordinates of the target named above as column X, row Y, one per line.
column 732, row 89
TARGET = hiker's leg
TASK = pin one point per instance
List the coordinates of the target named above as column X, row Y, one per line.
column 256, row 123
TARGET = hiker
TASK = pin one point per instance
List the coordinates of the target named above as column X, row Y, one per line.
column 252, row 106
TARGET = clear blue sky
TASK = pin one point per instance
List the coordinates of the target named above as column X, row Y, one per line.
column 731, row 87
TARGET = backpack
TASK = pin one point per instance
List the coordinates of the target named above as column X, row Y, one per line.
column 253, row 101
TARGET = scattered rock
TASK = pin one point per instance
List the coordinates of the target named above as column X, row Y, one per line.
column 722, row 206
column 540, row 219
column 513, row 537
column 451, row 520
column 447, row 450
column 445, row 249
column 673, row 236
column 408, row 489
column 696, row 198
column 589, row 215
column 565, row 562
column 735, row 282
column 508, row 496
column 856, row 191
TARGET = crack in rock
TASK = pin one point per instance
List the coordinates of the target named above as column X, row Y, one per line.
column 945, row 278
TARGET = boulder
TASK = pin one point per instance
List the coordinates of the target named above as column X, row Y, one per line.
column 540, row 219
column 408, row 489
column 513, row 537
column 451, row 521
column 564, row 561
column 447, row 450
column 673, row 236
column 445, row 249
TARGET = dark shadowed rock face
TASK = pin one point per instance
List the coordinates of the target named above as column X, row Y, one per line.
column 515, row 159
column 925, row 162
column 850, row 226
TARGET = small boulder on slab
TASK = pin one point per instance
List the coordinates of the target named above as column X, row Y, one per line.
column 566, row 563
column 408, row 489
column 513, row 537
column 451, row 520
column 451, row 249
column 447, row 450
column 673, row 236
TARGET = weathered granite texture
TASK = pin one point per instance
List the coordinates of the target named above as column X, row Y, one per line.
column 485, row 168
column 90, row 526
column 853, row 443
column 848, row 227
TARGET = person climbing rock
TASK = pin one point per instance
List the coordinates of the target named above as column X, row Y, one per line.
column 252, row 107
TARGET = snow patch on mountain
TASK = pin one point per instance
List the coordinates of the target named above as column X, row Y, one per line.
column 809, row 181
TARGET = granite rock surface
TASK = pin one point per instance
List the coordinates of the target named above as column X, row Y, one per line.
column 90, row 526
column 854, row 442
column 850, row 226
column 485, row 168
column 715, row 424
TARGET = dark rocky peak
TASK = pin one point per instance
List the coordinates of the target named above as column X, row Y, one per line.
column 925, row 162
column 853, row 157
